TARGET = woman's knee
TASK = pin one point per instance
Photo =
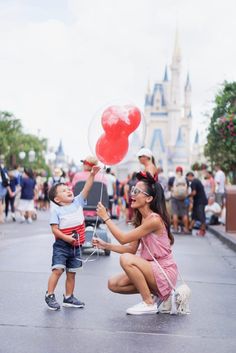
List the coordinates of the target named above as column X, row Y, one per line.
column 126, row 259
column 112, row 284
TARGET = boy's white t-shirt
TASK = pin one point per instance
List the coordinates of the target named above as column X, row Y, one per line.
column 70, row 217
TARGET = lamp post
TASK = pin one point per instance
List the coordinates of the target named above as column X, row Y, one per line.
column 22, row 155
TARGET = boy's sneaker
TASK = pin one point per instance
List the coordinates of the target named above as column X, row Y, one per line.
column 72, row 302
column 142, row 308
column 52, row 304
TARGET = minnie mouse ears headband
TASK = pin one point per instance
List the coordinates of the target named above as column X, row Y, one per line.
column 146, row 176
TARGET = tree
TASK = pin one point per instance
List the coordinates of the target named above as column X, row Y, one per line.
column 221, row 138
column 13, row 140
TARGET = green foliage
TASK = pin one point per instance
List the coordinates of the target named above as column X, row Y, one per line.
column 221, row 138
column 13, row 140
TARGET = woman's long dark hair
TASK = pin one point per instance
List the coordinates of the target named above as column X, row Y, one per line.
column 157, row 205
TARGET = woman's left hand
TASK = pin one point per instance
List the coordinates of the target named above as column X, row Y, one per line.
column 101, row 211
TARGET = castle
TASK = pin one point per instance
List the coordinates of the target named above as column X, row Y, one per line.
column 168, row 121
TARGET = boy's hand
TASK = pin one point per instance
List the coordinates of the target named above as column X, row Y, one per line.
column 95, row 169
column 69, row 239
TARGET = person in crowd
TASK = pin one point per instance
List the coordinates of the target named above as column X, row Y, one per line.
column 179, row 200
column 11, row 195
column 147, row 160
column 4, row 187
column 212, row 211
column 199, row 203
column 222, row 217
column 88, row 164
column 111, row 189
column 208, row 183
column 57, row 177
column 152, row 232
column 45, row 190
column 220, row 185
column 127, row 195
column 27, row 191
column 67, row 224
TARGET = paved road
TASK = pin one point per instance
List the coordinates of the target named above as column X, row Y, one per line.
column 26, row 325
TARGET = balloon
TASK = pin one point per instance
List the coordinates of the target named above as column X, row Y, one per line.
column 111, row 150
column 117, row 120
column 134, row 116
column 124, row 119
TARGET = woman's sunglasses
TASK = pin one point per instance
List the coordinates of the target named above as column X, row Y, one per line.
column 135, row 191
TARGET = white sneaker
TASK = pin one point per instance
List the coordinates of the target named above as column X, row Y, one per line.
column 22, row 219
column 142, row 308
column 29, row 220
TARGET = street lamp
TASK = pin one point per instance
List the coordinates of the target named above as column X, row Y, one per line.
column 22, row 155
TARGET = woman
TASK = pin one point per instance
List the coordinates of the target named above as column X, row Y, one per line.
column 26, row 204
column 152, row 229
column 146, row 158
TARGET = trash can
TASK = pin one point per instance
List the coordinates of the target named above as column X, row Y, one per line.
column 230, row 224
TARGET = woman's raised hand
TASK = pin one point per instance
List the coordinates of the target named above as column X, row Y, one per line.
column 101, row 211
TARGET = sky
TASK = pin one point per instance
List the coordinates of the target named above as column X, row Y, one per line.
column 62, row 62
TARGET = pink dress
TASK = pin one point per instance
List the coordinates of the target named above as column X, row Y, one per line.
column 160, row 248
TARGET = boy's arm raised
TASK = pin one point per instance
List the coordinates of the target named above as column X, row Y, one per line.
column 89, row 181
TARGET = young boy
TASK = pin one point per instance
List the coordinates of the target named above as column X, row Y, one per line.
column 66, row 219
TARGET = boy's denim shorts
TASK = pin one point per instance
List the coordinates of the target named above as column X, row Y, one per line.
column 65, row 256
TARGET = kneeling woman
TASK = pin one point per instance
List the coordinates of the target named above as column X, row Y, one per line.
column 152, row 232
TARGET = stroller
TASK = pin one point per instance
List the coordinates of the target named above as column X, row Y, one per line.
column 90, row 215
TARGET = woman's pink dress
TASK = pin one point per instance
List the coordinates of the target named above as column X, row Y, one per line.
column 160, row 248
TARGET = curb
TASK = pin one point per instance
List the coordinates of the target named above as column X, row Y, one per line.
column 226, row 238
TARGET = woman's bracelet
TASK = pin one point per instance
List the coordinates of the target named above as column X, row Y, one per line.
column 107, row 219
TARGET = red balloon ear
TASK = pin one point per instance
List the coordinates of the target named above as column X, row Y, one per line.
column 113, row 120
column 124, row 119
column 110, row 151
column 134, row 118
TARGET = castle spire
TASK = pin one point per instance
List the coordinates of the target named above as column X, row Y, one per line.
column 165, row 74
column 148, row 87
column 176, row 53
column 175, row 73
column 187, row 84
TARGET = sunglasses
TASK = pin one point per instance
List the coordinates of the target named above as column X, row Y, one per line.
column 135, row 191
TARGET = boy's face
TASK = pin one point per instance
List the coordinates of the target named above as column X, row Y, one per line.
column 64, row 195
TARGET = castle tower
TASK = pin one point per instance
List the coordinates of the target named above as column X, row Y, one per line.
column 175, row 74
column 175, row 92
column 168, row 118
column 187, row 97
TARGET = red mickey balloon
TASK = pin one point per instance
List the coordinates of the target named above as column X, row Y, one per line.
column 118, row 123
column 111, row 150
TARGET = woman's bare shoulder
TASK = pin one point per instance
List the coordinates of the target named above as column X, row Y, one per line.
column 154, row 218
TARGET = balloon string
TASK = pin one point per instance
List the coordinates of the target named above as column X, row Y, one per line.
column 95, row 227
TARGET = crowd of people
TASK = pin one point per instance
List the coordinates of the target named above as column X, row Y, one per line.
column 155, row 205
column 192, row 201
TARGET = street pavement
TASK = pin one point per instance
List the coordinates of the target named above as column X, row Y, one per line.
column 26, row 325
